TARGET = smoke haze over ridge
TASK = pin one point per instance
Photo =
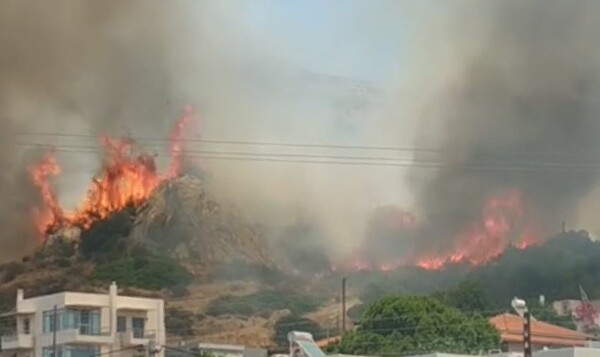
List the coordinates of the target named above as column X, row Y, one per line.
column 476, row 79
column 89, row 68
column 526, row 101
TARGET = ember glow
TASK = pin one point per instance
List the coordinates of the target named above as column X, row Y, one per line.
column 50, row 214
column 127, row 178
column 502, row 224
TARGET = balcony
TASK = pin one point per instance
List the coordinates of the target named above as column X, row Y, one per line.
column 76, row 335
column 134, row 338
column 17, row 342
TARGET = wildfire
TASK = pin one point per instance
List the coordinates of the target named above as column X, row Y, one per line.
column 127, row 178
column 51, row 213
column 502, row 223
column 502, row 219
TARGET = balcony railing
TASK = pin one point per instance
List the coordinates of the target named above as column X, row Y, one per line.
column 17, row 341
column 77, row 335
column 136, row 337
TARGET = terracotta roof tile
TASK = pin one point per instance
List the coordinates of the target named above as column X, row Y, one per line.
column 328, row 341
column 511, row 330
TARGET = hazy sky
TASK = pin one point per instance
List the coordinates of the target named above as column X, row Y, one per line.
column 334, row 37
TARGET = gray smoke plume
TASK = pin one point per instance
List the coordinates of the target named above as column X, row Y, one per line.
column 502, row 84
column 71, row 67
column 83, row 68
column 522, row 113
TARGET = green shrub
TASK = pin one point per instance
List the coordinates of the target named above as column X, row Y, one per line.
column 106, row 239
column 152, row 273
column 239, row 270
column 63, row 262
column 268, row 300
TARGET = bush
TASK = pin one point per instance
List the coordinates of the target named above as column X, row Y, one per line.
column 239, row 270
column 268, row 300
column 179, row 291
column 11, row 271
column 106, row 239
column 63, row 262
column 398, row 325
column 152, row 273
column 179, row 322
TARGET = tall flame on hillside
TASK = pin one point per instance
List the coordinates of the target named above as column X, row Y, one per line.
column 127, row 177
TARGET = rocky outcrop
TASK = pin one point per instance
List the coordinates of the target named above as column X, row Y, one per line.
column 182, row 220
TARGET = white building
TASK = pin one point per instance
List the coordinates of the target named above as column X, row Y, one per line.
column 86, row 325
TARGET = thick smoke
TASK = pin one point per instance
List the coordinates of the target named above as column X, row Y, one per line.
column 522, row 113
column 71, row 67
column 505, row 85
column 80, row 69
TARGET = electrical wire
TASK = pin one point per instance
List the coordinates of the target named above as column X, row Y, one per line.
column 531, row 167
column 408, row 149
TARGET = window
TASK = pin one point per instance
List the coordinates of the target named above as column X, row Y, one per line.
column 86, row 321
column 81, row 351
column 137, row 325
column 48, row 352
column 121, row 323
column 48, row 321
column 89, row 322
column 72, row 351
column 26, row 327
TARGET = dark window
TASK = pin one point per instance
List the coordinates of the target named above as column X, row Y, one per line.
column 137, row 325
column 26, row 327
column 121, row 324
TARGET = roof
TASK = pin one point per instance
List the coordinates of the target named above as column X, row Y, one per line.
column 328, row 341
column 221, row 347
column 511, row 330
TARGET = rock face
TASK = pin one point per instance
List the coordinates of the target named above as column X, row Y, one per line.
column 183, row 221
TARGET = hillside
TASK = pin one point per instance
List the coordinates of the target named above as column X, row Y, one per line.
column 555, row 269
column 183, row 221
column 220, row 282
column 212, row 268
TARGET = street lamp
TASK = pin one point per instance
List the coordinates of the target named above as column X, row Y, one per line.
column 344, row 279
column 520, row 306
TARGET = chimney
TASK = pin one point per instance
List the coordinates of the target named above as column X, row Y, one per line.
column 112, row 291
column 20, row 295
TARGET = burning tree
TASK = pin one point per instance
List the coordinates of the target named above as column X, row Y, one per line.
column 127, row 178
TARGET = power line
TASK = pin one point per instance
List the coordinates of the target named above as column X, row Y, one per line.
column 409, row 149
column 353, row 160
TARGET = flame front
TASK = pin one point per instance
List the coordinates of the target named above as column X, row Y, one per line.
column 502, row 224
column 127, row 178
column 50, row 214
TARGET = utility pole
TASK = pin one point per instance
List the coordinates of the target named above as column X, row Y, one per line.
column 54, row 327
column 343, row 305
column 527, row 334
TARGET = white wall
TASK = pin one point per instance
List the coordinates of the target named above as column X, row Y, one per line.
column 109, row 305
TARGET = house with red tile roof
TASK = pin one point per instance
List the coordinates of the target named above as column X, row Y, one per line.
column 510, row 327
column 543, row 334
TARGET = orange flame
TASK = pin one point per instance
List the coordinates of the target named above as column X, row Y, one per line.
column 502, row 218
column 51, row 212
column 126, row 179
column 502, row 224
